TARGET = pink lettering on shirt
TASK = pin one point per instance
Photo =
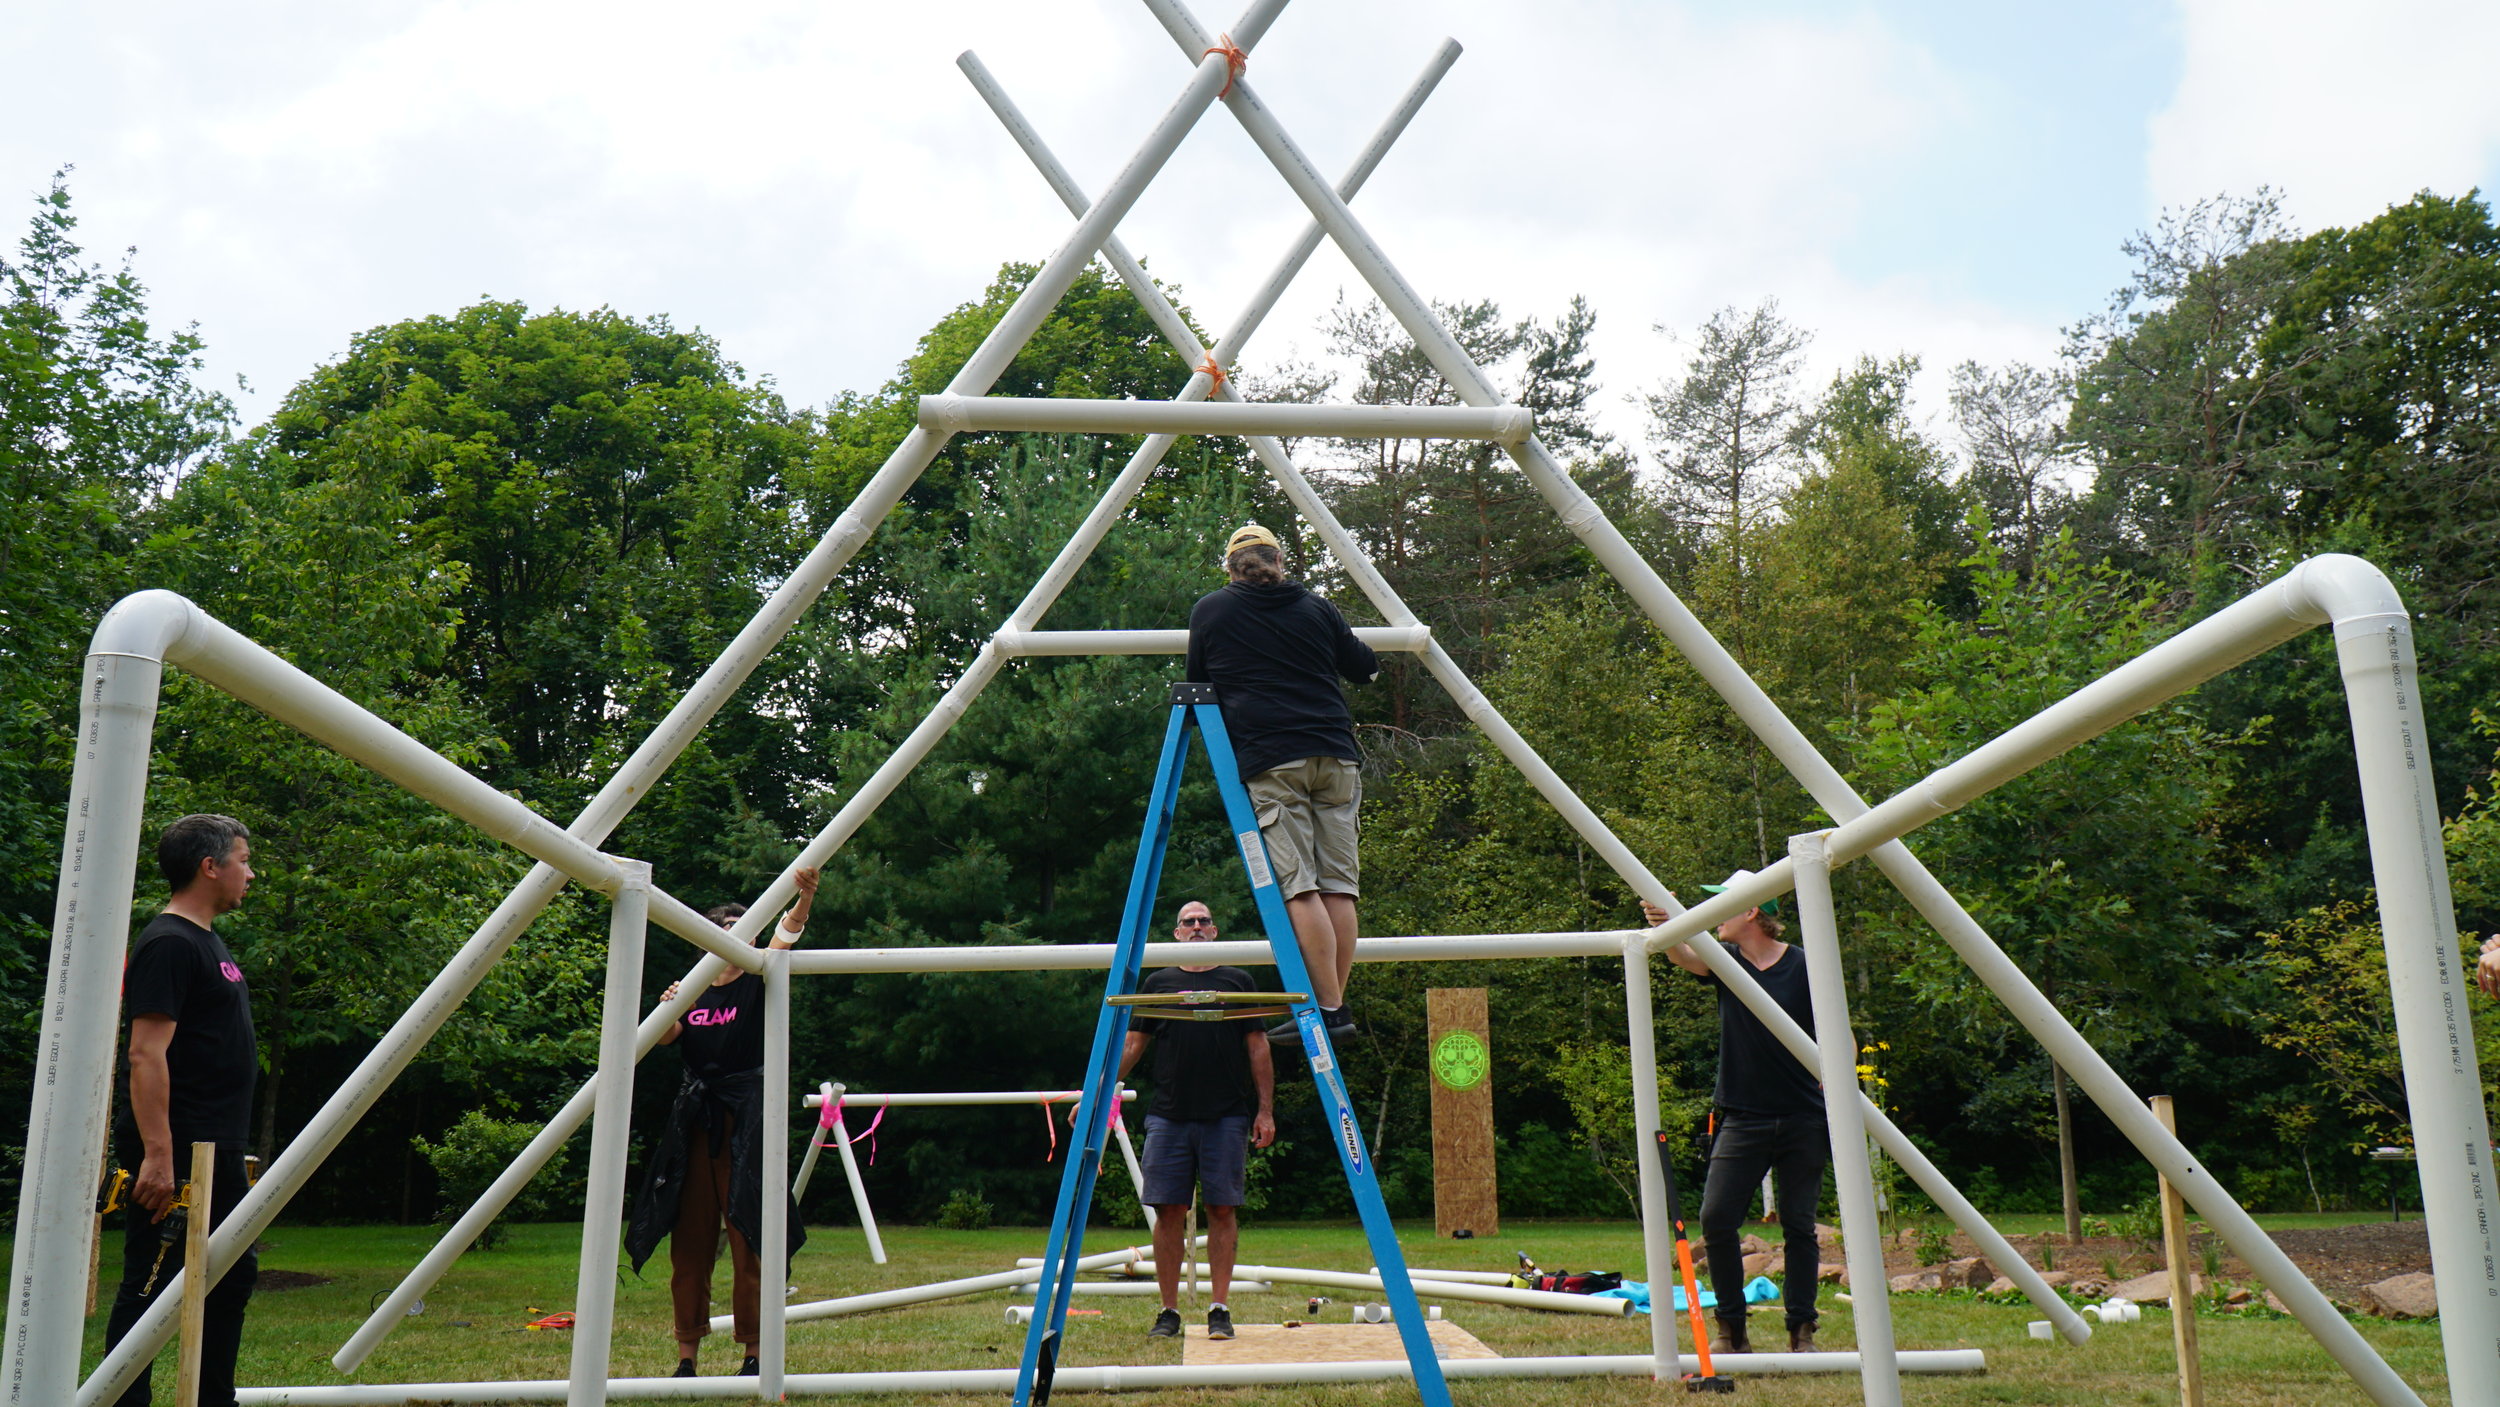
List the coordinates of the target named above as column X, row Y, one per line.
column 233, row 973
column 721, row 1017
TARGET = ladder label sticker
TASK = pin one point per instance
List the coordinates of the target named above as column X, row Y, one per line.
column 1353, row 1141
column 1254, row 855
column 1323, row 1060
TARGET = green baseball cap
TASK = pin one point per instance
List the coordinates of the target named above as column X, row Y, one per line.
column 1768, row 906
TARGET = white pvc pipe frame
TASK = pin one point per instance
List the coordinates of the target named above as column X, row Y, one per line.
column 1103, row 1379
column 2374, row 640
column 942, row 1099
column 2423, row 981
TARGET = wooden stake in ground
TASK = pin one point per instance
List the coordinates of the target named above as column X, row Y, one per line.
column 195, row 1274
column 1465, row 1194
column 2174, row 1246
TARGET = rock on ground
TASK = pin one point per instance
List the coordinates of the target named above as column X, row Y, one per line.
column 2410, row 1296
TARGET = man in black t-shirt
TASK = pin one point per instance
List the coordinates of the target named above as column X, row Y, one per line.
column 1770, row 1119
column 1274, row 652
column 1214, row 1100
column 192, row 1063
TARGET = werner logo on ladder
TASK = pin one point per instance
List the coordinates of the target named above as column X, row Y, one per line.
column 1196, row 704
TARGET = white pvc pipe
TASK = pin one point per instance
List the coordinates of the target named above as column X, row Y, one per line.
column 1657, row 1230
column 603, row 1203
column 1148, row 1287
column 1027, row 644
column 957, row 415
column 949, row 1098
column 772, row 1335
column 1861, row 1230
column 859, row 1189
column 1071, row 957
column 815, row 1143
column 944, row 1289
column 841, row 541
column 1435, row 1289
column 1128, row 1154
column 68, row 1117
column 1461, row 1277
column 992, row 1381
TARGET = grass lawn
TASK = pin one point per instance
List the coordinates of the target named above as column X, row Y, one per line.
column 471, row 1327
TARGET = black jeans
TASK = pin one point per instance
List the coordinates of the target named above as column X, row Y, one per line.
column 224, row 1328
column 1747, row 1145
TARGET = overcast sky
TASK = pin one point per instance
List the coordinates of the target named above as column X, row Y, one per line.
column 814, row 184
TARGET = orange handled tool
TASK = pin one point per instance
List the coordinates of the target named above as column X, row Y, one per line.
column 1707, row 1380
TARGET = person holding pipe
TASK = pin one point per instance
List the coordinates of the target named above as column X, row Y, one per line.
column 1769, row 1119
column 1214, row 1101
column 707, row 1165
column 193, row 1059
column 1274, row 652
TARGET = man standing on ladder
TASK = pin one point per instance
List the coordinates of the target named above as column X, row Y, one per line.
column 1770, row 1115
column 1214, row 1100
column 1274, row 652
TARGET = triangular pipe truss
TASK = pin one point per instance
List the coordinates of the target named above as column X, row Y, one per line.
column 2372, row 631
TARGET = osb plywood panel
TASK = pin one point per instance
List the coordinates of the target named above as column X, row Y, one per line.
column 1464, row 1195
column 1323, row 1343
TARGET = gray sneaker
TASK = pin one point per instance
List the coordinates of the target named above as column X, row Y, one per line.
column 1219, row 1322
column 1167, row 1325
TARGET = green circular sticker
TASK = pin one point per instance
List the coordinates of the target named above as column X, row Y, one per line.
column 1460, row 1061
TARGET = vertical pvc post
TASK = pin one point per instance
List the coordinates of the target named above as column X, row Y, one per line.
column 2426, row 978
column 774, row 1331
column 1870, row 1302
column 66, row 1125
column 195, row 1283
column 603, row 1206
column 1657, row 1238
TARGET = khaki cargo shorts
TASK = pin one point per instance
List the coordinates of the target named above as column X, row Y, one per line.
column 1307, row 813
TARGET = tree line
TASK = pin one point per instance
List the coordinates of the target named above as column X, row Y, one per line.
column 519, row 535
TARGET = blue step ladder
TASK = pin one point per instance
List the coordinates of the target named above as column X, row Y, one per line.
column 1195, row 703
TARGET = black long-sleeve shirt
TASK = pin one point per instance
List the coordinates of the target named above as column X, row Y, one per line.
column 1274, row 654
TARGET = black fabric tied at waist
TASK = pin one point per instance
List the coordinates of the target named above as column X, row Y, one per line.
column 724, row 1108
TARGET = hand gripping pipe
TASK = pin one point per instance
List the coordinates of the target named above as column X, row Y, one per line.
column 841, row 541
column 2473, row 1348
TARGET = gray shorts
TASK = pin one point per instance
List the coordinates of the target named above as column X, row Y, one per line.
column 1184, row 1155
column 1308, row 813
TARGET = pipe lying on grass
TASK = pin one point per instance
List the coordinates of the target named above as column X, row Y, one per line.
column 942, row 1289
column 1434, row 1289
column 1103, row 1379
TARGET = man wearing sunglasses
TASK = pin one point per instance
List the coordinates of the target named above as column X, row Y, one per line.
column 1214, row 1100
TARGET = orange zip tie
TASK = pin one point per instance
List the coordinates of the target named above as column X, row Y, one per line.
column 1234, row 62
column 1214, row 373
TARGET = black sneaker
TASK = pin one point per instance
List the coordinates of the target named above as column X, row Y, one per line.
column 685, row 1368
column 1219, row 1322
column 1340, row 1025
column 1167, row 1325
column 750, row 1368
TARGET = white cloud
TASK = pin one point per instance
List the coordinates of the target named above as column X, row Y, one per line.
column 2345, row 108
column 814, row 184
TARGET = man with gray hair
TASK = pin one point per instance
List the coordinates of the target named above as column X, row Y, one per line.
column 1274, row 652
column 192, row 1062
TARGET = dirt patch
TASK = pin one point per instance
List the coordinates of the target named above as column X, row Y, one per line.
column 272, row 1281
column 2339, row 1260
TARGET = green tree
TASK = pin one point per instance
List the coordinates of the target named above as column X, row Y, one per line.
column 2097, row 872
column 1727, row 430
column 99, row 411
